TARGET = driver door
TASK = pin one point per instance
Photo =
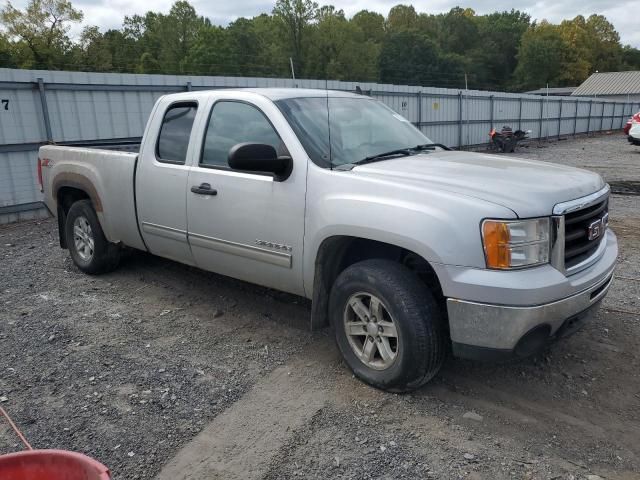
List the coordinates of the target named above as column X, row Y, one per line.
column 245, row 224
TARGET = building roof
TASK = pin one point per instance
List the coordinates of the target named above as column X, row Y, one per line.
column 552, row 91
column 610, row 83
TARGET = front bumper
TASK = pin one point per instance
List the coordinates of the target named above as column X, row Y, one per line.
column 510, row 324
column 491, row 332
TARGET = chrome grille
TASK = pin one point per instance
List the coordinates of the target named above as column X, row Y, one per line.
column 580, row 239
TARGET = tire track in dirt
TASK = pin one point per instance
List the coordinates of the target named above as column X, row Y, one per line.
column 241, row 442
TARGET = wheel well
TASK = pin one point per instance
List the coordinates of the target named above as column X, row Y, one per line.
column 65, row 197
column 337, row 253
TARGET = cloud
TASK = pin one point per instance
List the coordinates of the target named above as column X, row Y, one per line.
column 110, row 13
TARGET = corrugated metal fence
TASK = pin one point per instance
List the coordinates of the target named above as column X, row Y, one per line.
column 38, row 107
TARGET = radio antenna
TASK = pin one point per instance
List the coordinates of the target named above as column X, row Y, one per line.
column 326, row 89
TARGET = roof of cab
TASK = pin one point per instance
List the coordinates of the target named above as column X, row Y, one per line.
column 282, row 93
column 275, row 94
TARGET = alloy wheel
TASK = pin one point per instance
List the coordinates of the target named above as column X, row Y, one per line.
column 83, row 238
column 371, row 331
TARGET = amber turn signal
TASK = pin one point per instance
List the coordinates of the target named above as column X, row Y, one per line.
column 496, row 237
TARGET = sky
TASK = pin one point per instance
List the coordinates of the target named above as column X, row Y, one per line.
column 110, row 13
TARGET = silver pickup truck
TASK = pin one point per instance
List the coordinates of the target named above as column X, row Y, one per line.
column 408, row 250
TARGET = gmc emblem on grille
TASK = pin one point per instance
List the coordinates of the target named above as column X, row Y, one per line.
column 597, row 227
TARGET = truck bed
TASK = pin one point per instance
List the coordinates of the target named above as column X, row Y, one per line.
column 119, row 145
column 107, row 173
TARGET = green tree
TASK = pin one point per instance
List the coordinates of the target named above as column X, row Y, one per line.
column 339, row 49
column 92, row 53
column 461, row 30
column 165, row 39
column 43, row 27
column 402, row 17
column 579, row 59
column 410, row 57
column 179, row 30
column 134, row 27
column 542, row 57
column 630, row 58
column 604, row 43
column 495, row 59
column 329, row 37
column 595, row 45
column 500, row 50
column 273, row 46
column 124, row 50
column 209, row 54
column 249, row 50
column 7, row 59
column 296, row 17
column 247, row 47
column 148, row 64
column 371, row 24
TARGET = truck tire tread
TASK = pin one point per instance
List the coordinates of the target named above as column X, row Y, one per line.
column 106, row 256
column 414, row 307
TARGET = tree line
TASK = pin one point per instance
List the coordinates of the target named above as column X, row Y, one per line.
column 500, row 51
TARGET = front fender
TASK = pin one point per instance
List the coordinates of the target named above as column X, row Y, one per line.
column 440, row 226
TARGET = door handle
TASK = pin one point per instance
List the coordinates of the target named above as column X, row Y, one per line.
column 204, row 189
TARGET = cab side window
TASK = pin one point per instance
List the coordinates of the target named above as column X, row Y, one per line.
column 173, row 139
column 231, row 123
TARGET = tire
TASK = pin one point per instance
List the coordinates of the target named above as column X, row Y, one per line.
column 408, row 304
column 90, row 250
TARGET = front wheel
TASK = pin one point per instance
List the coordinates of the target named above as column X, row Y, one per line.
column 89, row 249
column 387, row 325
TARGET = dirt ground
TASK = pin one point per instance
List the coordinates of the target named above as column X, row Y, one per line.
column 166, row 372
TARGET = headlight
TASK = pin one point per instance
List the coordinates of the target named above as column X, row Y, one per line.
column 514, row 244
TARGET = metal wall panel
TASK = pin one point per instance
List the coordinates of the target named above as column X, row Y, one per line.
column 98, row 106
column 18, row 178
column 20, row 116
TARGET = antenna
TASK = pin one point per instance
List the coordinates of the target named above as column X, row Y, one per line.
column 326, row 89
column 466, row 106
column 546, row 117
column 293, row 73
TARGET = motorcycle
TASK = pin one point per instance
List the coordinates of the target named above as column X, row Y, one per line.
column 506, row 140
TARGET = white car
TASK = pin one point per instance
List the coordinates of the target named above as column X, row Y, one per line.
column 634, row 132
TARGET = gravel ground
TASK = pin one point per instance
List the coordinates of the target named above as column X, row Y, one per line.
column 609, row 154
column 159, row 361
column 128, row 366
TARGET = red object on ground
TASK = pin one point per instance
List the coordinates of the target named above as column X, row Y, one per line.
column 48, row 464
column 51, row 465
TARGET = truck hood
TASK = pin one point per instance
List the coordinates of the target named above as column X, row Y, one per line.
column 529, row 188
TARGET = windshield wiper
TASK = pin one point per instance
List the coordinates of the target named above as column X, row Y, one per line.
column 431, row 146
column 405, row 152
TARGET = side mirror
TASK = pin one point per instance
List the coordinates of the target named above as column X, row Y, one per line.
column 258, row 157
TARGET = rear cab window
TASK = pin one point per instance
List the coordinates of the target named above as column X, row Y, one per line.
column 175, row 131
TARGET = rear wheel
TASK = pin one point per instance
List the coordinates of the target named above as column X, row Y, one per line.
column 90, row 250
column 387, row 325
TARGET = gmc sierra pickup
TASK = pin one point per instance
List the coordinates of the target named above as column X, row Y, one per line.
column 408, row 250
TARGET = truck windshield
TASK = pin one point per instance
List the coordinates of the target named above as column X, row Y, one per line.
column 360, row 129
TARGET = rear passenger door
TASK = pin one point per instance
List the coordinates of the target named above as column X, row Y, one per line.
column 161, row 179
